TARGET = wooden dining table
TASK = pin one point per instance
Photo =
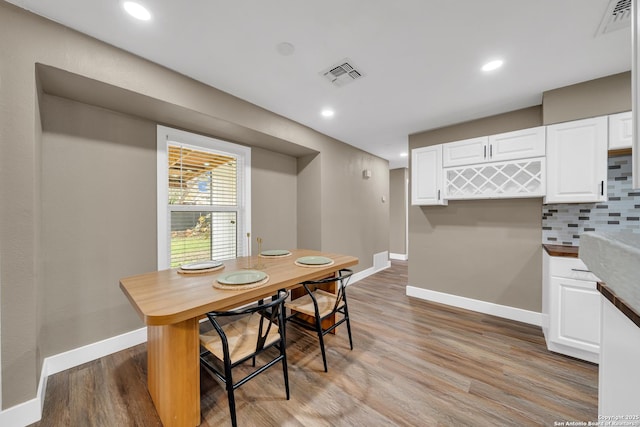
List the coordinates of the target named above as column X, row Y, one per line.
column 171, row 305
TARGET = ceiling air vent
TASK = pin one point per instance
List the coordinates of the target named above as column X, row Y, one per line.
column 342, row 73
column 617, row 16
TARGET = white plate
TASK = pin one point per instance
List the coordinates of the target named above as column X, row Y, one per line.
column 201, row 265
column 275, row 252
column 243, row 277
column 314, row 260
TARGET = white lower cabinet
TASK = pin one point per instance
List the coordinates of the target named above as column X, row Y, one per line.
column 571, row 305
column 575, row 305
column 619, row 371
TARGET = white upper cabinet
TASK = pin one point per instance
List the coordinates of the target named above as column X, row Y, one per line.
column 426, row 176
column 465, row 152
column 520, row 144
column 620, row 131
column 516, row 145
column 577, row 161
column 505, row 165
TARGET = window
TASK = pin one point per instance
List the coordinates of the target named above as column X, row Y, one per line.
column 203, row 198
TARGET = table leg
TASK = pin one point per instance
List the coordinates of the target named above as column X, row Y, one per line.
column 173, row 374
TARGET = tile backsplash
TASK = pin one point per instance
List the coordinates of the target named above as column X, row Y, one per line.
column 563, row 223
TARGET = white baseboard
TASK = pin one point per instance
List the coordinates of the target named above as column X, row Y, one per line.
column 512, row 313
column 399, row 257
column 365, row 273
column 361, row 275
column 589, row 356
column 23, row 414
column 78, row 356
column 30, row 411
column 380, row 262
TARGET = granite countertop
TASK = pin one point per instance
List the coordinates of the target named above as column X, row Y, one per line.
column 615, row 259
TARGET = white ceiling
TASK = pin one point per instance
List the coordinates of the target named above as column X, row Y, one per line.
column 421, row 58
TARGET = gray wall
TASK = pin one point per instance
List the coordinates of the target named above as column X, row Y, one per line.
column 482, row 249
column 274, row 215
column 93, row 230
column 490, row 250
column 309, row 204
column 398, row 205
column 354, row 217
column 599, row 97
column 98, row 107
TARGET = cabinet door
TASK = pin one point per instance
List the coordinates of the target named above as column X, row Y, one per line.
column 619, row 374
column 426, row 176
column 620, row 131
column 520, row 144
column 577, row 161
column 575, row 314
column 465, row 152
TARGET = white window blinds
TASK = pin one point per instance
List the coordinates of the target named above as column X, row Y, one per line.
column 206, row 199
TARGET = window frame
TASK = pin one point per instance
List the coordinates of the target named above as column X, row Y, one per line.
column 200, row 142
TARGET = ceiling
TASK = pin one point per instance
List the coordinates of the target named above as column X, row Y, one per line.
column 420, row 59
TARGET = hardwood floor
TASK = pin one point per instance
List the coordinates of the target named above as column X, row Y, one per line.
column 414, row 363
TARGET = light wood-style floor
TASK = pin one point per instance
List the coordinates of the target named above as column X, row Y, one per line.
column 414, row 363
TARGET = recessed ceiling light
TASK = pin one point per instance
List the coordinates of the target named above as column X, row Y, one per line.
column 327, row 112
column 492, row 65
column 137, row 10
